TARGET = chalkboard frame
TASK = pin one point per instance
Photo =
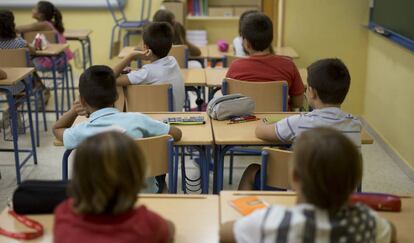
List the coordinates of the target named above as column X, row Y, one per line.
column 70, row 4
column 387, row 33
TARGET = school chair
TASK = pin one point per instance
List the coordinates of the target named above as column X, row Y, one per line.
column 20, row 58
column 122, row 23
column 149, row 98
column 158, row 155
column 269, row 97
column 120, row 102
column 274, row 171
column 67, row 73
column 229, row 59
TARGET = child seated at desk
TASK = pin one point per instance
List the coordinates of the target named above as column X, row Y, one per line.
column 262, row 65
column 326, row 169
column 328, row 84
column 157, row 39
column 101, row 207
column 180, row 38
column 49, row 18
column 98, row 94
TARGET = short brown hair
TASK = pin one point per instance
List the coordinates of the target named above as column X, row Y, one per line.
column 158, row 36
column 108, row 173
column 331, row 80
column 329, row 167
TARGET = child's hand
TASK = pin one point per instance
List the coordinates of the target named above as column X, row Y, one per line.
column 142, row 55
column 80, row 110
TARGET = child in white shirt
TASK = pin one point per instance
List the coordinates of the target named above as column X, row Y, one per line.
column 326, row 169
column 157, row 38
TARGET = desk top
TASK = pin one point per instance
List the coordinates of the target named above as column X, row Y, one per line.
column 244, row 133
column 215, row 76
column 77, row 34
column 286, row 51
column 191, row 134
column 202, row 210
column 402, row 220
column 52, row 50
column 194, row 76
column 15, row 74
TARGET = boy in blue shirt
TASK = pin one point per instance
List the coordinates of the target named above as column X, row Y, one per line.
column 97, row 88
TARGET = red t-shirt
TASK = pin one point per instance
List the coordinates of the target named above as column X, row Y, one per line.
column 268, row 68
column 137, row 225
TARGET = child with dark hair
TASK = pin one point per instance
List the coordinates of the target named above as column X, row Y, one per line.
column 49, row 18
column 328, row 85
column 101, row 207
column 157, row 40
column 262, row 65
column 238, row 40
column 8, row 36
column 326, row 169
column 180, row 37
column 97, row 91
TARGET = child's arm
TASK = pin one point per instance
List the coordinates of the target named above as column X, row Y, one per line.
column 143, row 55
column 226, row 232
column 36, row 26
column 266, row 132
column 67, row 120
column 175, row 133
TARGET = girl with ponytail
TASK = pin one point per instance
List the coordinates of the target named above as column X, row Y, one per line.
column 48, row 18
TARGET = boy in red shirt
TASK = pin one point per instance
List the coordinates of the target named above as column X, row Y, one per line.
column 261, row 65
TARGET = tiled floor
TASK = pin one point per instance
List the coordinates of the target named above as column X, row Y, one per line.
column 381, row 173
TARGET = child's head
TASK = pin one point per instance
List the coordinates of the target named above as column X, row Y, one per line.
column 328, row 81
column 327, row 167
column 46, row 11
column 108, row 173
column 158, row 36
column 243, row 16
column 97, row 87
column 164, row 15
column 257, row 32
column 7, row 26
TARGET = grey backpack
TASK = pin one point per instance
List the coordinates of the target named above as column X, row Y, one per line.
column 222, row 108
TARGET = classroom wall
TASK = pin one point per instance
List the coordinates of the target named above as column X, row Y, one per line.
column 389, row 99
column 331, row 28
column 99, row 20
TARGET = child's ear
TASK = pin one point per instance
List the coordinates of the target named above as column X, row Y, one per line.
column 312, row 93
column 82, row 101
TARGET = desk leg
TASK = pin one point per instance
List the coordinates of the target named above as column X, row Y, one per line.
column 28, row 87
column 83, row 54
column 66, row 78
column 219, row 166
column 55, row 89
column 13, row 125
column 88, row 40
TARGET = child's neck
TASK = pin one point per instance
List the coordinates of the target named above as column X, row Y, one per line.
column 258, row 53
column 319, row 105
column 154, row 58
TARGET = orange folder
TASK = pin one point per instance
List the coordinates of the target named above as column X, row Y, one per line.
column 247, row 205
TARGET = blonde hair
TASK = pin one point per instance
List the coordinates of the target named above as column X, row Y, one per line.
column 108, row 173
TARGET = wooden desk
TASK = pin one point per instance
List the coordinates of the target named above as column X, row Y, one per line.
column 402, row 220
column 16, row 82
column 244, row 133
column 194, row 76
column 77, row 34
column 51, row 50
column 214, row 53
column 286, row 51
column 15, row 75
column 82, row 35
column 196, row 218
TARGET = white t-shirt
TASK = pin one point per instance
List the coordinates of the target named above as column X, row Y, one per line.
column 238, row 47
column 289, row 128
column 163, row 71
column 307, row 223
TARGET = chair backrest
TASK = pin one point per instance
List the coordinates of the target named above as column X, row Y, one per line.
column 157, row 152
column 120, row 102
column 275, row 167
column 14, row 57
column 149, row 98
column 115, row 6
column 229, row 59
column 180, row 52
column 51, row 36
column 269, row 96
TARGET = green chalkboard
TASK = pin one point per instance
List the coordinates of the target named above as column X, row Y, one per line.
column 394, row 15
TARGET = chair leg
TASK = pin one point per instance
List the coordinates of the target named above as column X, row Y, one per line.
column 37, row 117
column 42, row 100
column 112, row 41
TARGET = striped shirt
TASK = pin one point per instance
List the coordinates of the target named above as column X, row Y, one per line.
column 15, row 43
column 289, row 128
column 307, row 223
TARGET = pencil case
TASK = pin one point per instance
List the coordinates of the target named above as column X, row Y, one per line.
column 378, row 201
